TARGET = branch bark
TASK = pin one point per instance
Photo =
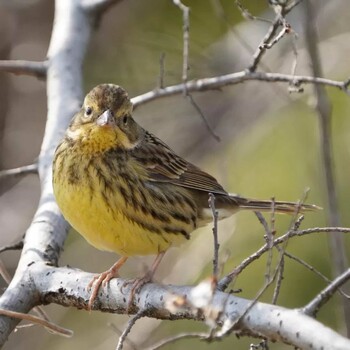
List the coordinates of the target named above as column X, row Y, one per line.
column 220, row 81
column 59, row 285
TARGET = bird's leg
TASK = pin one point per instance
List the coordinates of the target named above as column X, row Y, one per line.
column 139, row 282
column 104, row 278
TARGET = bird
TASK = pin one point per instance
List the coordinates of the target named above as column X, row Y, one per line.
column 126, row 191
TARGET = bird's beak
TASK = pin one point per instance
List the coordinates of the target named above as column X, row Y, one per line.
column 105, row 119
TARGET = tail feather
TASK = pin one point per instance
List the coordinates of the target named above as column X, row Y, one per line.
column 268, row 205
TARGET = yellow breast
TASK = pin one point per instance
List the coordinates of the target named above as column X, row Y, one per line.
column 114, row 210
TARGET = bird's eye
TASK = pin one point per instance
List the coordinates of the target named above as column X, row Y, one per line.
column 88, row 111
column 125, row 120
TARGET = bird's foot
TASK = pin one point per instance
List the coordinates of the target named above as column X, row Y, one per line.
column 136, row 285
column 102, row 279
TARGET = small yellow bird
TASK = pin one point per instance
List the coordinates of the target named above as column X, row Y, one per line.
column 126, row 191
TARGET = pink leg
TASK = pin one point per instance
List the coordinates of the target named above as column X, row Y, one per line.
column 103, row 279
column 139, row 282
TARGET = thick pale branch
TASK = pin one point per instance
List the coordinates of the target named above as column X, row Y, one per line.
column 218, row 82
column 20, row 67
column 58, row 285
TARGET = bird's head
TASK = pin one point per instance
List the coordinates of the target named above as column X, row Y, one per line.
column 105, row 120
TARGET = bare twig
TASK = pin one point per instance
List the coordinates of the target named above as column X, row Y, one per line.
column 14, row 246
column 20, row 67
column 315, row 304
column 175, row 338
column 314, row 270
column 279, row 277
column 37, row 320
column 220, row 81
column 20, row 171
column 268, row 282
column 285, row 30
column 4, row 272
column 281, row 9
column 322, row 229
column 215, row 214
column 247, row 15
column 204, row 119
column 269, row 237
column 186, row 36
column 225, row 281
column 161, row 71
column 131, row 344
column 127, row 329
column 324, row 111
column 261, row 48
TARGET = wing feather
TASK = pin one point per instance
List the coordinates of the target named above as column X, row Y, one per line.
column 164, row 165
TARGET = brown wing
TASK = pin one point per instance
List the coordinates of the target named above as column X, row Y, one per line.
column 164, row 165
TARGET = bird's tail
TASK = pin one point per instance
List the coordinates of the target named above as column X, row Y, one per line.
column 269, row 205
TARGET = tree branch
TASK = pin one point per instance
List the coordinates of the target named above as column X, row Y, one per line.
column 315, row 304
column 225, row 281
column 21, row 67
column 20, row 171
column 58, row 285
column 220, row 81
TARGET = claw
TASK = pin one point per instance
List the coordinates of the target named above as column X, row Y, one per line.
column 103, row 279
column 138, row 283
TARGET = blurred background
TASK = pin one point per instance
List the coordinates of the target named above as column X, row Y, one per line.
column 270, row 146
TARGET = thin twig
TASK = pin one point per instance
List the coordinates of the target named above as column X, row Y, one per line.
column 204, row 119
column 21, row 67
column 314, row 270
column 215, row 215
column 20, row 171
column 285, row 30
column 186, row 36
column 220, row 81
column 225, row 281
column 261, row 48
column 37, row 320
column 14, row 246
column 295, row 61
column 315, row 304
column 279, row 277
column 7, row 278
column 127, row 330
column 4, row 272
column 268, row 41
column 161, row 71
column 175, row 338
column 321, row 229
column 269, row 237
column 119, row 332
column 247, row 15
column 267, row 283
